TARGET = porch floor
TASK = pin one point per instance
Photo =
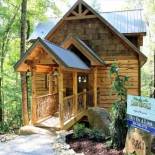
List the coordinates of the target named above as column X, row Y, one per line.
column 52, row 122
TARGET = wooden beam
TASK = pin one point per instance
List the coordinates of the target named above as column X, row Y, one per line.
column 95, row 86
column 80, row 17
column 75, row 13
column 43, row 68
column 76, row 70
column 75, row 89
column 33, row 104
column 74, row 120
column 85, row 99
column 61, row 104
column 80, row 8
column 85, row 12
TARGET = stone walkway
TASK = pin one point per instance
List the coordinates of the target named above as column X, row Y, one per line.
column 36, row 144
column 37, row 141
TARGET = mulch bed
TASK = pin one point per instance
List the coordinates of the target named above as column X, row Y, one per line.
column 90, row 147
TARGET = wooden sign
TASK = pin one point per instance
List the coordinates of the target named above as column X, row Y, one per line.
column 138, row 142
column 141, row 121
column 140, row 113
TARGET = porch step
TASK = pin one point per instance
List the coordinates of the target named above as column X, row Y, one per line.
column 30, row 129
column 51, row 123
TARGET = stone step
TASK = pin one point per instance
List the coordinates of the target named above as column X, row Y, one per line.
column 30, row 129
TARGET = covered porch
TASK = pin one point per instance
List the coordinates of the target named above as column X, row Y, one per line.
column 66, row 101
column 64, row 82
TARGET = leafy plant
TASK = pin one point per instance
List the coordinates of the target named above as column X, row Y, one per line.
column 79, row 130
column 118, row 127
column 96, row 135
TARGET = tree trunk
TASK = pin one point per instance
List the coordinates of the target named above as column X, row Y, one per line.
column 1, row 105
column 25, row 114
column 154, row 77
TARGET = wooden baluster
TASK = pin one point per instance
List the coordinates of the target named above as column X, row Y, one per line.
column 75, row 100
column 95, row 87
column 34, row 102
column 50, row 83
column 52, row 104
column 61, row 104
column 85, row 98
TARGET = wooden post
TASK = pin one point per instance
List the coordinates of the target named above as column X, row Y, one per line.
column 61, row 104
column 85, row 99
column 75, row 89
column 95, row 86
column 34, row 104
column 50, row 83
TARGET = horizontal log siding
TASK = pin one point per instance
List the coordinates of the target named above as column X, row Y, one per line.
column 40, row 84
column 107, row 97
column 107, row 46
column 68, row 83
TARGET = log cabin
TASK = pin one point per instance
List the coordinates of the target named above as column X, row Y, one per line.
column 69, row 62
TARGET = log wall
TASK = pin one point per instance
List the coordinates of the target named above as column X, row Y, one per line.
column 41, row 88
column 109, row 47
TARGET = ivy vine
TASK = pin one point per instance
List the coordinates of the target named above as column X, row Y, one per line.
column 118, row 126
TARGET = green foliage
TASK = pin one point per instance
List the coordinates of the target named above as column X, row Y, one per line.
column 148, row 48
column 79, row 131
column 10, row 90
column 118, row 127
column 4, row 127
column 96, row 134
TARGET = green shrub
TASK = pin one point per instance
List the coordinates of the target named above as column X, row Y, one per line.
column 96, row 135
column 4, row 127
column 79, row 131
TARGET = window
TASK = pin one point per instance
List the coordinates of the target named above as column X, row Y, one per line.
column 82, row 79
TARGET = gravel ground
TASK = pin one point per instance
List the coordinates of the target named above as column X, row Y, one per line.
column 36, row 144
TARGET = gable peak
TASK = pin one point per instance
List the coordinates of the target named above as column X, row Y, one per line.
column 79, row 11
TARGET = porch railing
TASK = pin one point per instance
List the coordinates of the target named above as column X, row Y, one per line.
column 81, row 99
column 68, row 107
column 46, row 105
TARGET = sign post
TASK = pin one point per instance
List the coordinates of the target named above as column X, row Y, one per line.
column 141, row 119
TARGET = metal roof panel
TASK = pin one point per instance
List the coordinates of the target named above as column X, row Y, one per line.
column 128, row 21
column 69, row 58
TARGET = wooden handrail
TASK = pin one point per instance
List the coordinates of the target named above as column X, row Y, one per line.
column 81, row 93
column 46, row 95
column 68, row 97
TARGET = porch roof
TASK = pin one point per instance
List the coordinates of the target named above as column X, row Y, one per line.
column 63, row 57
